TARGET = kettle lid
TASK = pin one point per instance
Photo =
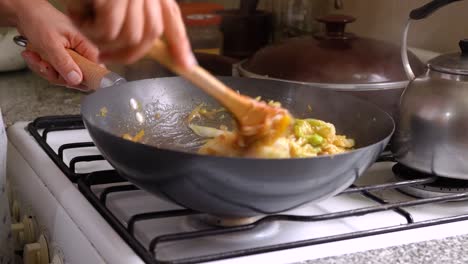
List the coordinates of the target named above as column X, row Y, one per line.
column 453, row 63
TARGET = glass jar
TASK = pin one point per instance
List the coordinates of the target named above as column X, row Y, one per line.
column 204, row 33
column 298, row 17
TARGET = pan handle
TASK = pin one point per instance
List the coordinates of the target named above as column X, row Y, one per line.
column 94, row 76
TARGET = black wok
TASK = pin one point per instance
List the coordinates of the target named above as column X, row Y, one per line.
column 165, row 163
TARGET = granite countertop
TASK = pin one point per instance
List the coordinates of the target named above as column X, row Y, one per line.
column 24, row 96
column 451, row 250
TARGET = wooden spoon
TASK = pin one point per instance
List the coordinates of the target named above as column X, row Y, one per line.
column 254, row 118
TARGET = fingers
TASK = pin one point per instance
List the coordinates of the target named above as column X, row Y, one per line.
column 86, row 49
column 132, row 30
column 124, row 30
column 153, row 28
column 46, row 71
column 176, row 35
column 56, row 54
column 42, row 68
column 109, row 20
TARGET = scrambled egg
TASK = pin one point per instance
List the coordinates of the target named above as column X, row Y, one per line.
column 306, row 138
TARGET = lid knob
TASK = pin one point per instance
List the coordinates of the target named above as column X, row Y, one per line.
column 463, row 47
column 335, row 26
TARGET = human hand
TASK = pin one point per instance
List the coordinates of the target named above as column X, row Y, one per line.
column 50, row 33
column 124, row 30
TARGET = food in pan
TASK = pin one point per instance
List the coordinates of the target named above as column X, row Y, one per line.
column 137, row 138
column 305, row 138
column 103, row 112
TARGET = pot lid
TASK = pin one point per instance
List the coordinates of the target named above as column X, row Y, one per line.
column 333, row 56
column 454, row 63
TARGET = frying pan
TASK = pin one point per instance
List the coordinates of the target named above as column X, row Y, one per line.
column 165, row 162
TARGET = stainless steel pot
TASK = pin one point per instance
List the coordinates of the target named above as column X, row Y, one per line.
column 338, row 60
column 431, row 136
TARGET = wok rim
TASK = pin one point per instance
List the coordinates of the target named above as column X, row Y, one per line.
column 328, row 156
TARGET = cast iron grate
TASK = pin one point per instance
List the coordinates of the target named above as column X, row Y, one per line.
column 42, row 127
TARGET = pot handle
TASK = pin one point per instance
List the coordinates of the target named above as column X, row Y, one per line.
column 417, row 14
column 429, row 8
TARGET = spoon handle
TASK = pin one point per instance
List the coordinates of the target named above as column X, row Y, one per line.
column 200, row 77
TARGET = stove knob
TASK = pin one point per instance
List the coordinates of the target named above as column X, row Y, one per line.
column 24, row 232
column 36, row 253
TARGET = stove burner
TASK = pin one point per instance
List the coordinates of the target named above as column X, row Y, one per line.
column 438, row 187
column 199, row 222
column 227, row 222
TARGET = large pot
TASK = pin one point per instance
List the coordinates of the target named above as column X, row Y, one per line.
column 337, row 60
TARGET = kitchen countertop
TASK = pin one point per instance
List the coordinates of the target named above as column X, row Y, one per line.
column 451, row 250
column 24, row 96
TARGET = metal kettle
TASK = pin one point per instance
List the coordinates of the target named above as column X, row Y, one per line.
column 432, row 132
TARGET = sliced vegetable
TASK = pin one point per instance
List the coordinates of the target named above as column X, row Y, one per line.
column 315, row 122
column 302, row 128
column 137, row 138
column 203, row 131
column 324, row 129
column 315, row 140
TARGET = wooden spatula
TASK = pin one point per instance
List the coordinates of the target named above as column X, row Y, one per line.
column 254, row 118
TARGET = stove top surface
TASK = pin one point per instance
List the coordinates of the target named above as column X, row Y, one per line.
column 434, row 186
column 158, row 230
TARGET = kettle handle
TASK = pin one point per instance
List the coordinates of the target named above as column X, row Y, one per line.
column 417, row 14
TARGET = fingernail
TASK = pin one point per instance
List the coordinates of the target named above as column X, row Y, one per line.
column 73, row 78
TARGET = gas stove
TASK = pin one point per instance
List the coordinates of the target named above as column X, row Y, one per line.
column 66, row 196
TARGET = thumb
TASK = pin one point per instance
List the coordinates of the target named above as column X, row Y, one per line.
column 63, row 63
